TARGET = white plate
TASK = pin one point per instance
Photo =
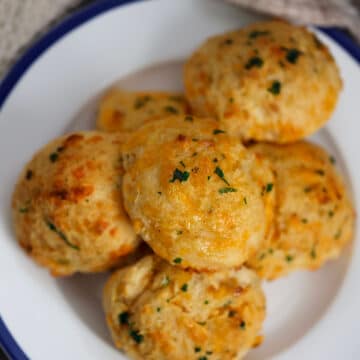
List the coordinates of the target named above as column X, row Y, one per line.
column 310, row 315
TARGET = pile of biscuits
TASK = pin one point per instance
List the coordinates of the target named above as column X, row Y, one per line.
column 195, row 199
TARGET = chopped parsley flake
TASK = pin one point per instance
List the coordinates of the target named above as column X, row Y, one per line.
column 332, row 159
column 269, row 187
column 189, row 118
column 170, row 109
column 245, row 200
column 231, row 100
column 256, row 33
column 182, row 163
column 270, row 251
column 159, row 192
column 320, row 172
column 53, row 228
column 24, row 210
column 209, row 352
column 53, row 156
column 304, row 221
column 292, row 55
column 275, row 87
column 243, row 325
column 313, row 253
column 29, row 175
column 206, row 302
column 220, row 174
column 203, row 358
column 215, row 160
column 331, row 213
column 197, row 348
column 194, row 154
column 176, row 98
column 136, row 336
column 179, row 232
column 231, row 313
column 158, row 309
column 289, row 258
column 177, row 260
column 141, row 101
column 254, row 62
column 307, row 189
column 218, row 131
column 179, row 175
column 184, row 287
column 124, row 318
column 226, row 190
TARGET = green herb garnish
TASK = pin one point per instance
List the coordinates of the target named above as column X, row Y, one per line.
column 320, row 172
column 184, row 287
column 331, row 213
column 197, row 349
column 29, row 175
column 275, row 87
column 289, row 258
column 256, row 33
column 332, row 159
column 177, row 260
column 170, row 109
column 124, row 318
column 218, row 131
column 53, row 156
column 221, row 175
column 313, row 253
column 231, row 313
column 292, row 55
column 226, row 190
column 141, row 101
column 182, row 163
column 188, row 118
column 179, row 175
column 136, row 336
column 254, row 62
column 53, row 228
column 245, row 200
column 158, row 309
column 269, row 187
column 304, row 221
column 206, row 302
column 243, row 325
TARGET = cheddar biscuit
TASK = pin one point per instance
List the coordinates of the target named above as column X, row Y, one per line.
column 270, row 81
column 67, row 205
column 314, row 218
column 125, row 111
column 198, row 197
column 156, row 311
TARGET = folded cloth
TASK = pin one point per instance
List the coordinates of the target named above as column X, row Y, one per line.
column 341, row 13
column 22, row 20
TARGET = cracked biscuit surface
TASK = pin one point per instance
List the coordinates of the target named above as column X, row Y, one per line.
column 157, row 311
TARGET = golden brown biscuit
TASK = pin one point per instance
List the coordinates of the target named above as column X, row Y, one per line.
column 126, row 111
column 270, row 81
column 156, row 311
column 67, row 205
column 314, row 217
column 196, row 195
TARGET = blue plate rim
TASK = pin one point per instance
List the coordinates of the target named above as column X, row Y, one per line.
column 7, row 341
